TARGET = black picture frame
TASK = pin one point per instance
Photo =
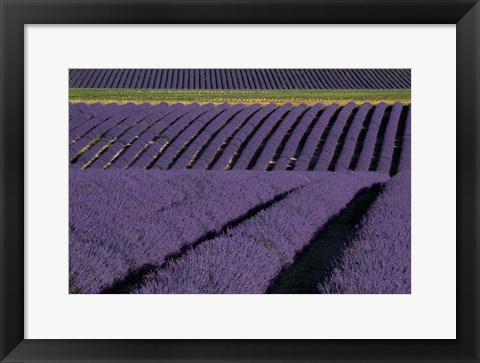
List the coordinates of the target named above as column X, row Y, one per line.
column 15, row 14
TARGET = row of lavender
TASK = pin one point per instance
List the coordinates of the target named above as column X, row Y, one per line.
column 378, row 257
column 204, row 232
column 241, row 78
column 148, row 216
column 238, row 137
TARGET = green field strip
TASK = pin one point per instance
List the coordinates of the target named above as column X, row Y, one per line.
column 248, row 97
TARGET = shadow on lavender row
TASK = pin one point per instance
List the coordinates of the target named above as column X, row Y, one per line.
column 312, row 264
column 135, row 278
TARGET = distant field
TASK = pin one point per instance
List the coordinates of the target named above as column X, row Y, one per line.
column 240, row 79
column 248, row 97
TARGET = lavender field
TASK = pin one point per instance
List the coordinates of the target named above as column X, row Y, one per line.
column 237, row 137
column 241, row 78
column 239, row 198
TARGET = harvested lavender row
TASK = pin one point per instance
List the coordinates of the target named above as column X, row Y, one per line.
column 351, row 139
column 406, row 153
column 312, row 140
column 166, row 158
column 205, row 137
column 274, row 141
column 233, row 146
column 297, row 135
column 377, row 259
column 261, row 134
column 221, row 138
column 110, row 234
column 332, row 140
column 246, row 258
column 241, row 78
column 386, row 155
column 366, row 154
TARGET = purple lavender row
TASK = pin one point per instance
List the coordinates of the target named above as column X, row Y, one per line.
column 274, row 141
column 94, row 114
column 377, row 259
column 73, row 75
column 122, row 153
column 350, row 143
column 312, row 140
column 82, row 82
column 175, row 190
column 77, row 117
column 155, row 150
column 127, row 224
column 166, row 158
column 247, row 78
column 79, row 107
column 281, row 79
column 101, row 142
column 90, row 109
column 268, row 77
column 103, row 111
column 142, row 152
column 241, row 78
column 142, row 136
column 92, row 133
column 98, row 79
column 297, row 134
column 102, row 115
column 406, row 151
column 99, row 184
column 132, row 78
column 111, row 136
column 365, row 158
column 388, row 144
column 259, row 136
column 204, row 138
column 392, row 77
column 83, row 128
column 332, row 139
column 108, row 75
column 213, row 147
column 224, row 160
column 102, row 127
column 247, row 258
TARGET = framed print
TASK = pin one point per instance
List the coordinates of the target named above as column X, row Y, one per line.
column 239, row 181
column 304, row 168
